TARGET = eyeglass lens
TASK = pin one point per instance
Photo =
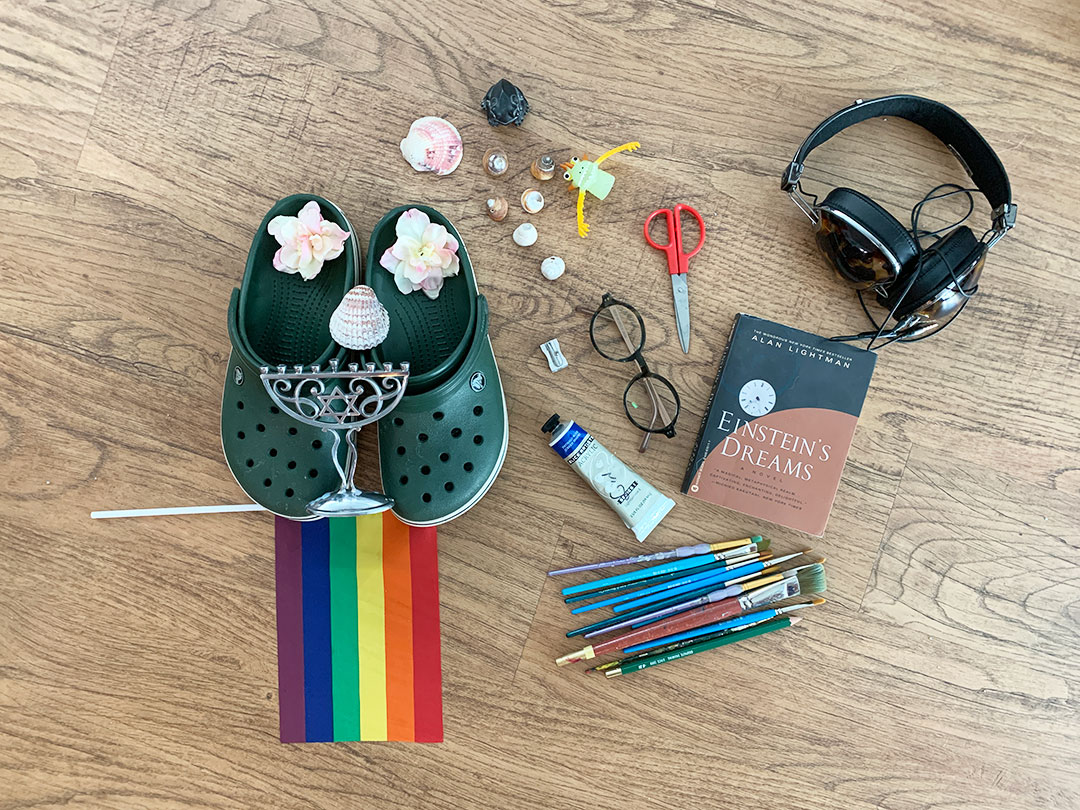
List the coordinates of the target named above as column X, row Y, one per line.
column 651, row 403
column 617, row 333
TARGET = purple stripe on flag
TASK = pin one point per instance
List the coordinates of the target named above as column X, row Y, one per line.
column 290, row 629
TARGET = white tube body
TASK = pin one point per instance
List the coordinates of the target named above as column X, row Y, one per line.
column 640, row 505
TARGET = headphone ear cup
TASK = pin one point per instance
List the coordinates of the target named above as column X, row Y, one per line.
column 884, row 227
column 952, row 254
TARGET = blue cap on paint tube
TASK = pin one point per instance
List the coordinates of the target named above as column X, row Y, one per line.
column 567, row 436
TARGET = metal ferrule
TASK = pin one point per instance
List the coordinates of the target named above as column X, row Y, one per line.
column 783, row 589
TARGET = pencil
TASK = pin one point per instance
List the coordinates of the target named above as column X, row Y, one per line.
column 667, row 645
column 710, row 631
column 706, row 614
column 702, row 646
column 746, row 619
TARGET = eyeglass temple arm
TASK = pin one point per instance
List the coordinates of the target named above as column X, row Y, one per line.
column 658, row 405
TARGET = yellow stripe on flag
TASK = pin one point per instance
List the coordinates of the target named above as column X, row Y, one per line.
column 371, row 627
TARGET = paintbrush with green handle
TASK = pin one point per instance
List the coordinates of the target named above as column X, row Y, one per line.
column 706, row 633
column 702, row 646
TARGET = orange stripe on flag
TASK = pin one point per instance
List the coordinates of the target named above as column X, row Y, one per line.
column 397, row 590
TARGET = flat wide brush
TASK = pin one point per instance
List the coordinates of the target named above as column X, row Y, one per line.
column 647, row 596
column 755, row 593
column 735, row 599
column 682, row 551
column 654, row 611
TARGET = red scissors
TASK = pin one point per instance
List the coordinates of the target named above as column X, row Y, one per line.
column 678, row 262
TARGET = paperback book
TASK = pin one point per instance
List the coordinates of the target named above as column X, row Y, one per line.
column 779, row 424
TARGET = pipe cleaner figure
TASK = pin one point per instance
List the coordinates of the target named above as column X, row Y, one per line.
column 586, row 175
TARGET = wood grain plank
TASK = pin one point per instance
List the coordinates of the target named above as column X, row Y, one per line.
column 141, row 143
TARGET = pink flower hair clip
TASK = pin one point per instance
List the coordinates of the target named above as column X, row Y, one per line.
column 307, row 240
column 424, row 254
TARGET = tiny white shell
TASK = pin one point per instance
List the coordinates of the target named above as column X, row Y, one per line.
column 432, row 145
column 532, row 200
column 360, row 320
column 552, row 267
column 525, row 234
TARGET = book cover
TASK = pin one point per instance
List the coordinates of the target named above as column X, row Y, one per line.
column 779, row 424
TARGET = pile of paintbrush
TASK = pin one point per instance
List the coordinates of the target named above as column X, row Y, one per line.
column 703, row 596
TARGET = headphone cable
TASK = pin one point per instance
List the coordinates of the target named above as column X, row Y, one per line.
column 921, row 256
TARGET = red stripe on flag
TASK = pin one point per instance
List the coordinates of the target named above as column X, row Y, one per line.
column 427, row 651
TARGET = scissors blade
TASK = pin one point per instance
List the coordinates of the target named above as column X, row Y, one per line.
column 682, row 309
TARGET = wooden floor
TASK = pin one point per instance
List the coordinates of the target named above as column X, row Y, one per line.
column 142, row 142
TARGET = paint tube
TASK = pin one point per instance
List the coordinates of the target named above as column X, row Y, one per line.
column 635, row 500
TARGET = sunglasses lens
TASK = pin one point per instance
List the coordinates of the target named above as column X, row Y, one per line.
column 856, row 259
column 652, row 404
column 616, row 331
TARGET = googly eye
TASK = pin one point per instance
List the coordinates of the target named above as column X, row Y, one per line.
column 574, row 159
column 566, row 176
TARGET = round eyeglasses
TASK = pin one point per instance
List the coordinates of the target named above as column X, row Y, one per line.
column 651, row 401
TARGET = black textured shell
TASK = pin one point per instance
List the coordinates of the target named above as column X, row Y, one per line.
column 504, row 104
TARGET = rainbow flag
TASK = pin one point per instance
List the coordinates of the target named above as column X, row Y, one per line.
column 358, row 630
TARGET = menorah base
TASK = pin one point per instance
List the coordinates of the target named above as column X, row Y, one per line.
column 350, row 503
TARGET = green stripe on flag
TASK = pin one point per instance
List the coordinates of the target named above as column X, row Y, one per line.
column 343, row 635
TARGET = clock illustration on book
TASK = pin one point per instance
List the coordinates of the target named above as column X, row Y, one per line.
column 757, row 397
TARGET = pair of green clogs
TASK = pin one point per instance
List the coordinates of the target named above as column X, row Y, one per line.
column 440, row 449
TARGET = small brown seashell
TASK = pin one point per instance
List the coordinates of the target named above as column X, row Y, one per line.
column 532, row 200
column 497, row 208
column 495, row 162
column 543, row 168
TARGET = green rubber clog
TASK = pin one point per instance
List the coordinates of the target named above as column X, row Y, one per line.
column 442, row 447
column 278, row 318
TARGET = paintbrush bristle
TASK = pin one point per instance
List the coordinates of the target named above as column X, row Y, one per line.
column 763, row 544
column 812, row 579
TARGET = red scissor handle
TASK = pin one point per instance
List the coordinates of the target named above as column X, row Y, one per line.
column 678, row 262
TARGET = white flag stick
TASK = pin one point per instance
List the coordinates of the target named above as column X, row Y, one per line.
column 177, row 510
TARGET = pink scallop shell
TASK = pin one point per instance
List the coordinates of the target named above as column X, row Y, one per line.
column 432, row 145
column 360, row 320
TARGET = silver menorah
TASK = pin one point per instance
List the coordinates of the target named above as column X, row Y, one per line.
column 357, row 397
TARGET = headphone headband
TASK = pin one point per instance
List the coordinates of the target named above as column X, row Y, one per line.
column 947, row 125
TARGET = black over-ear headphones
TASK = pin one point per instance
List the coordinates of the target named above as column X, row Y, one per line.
column 923, row 288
